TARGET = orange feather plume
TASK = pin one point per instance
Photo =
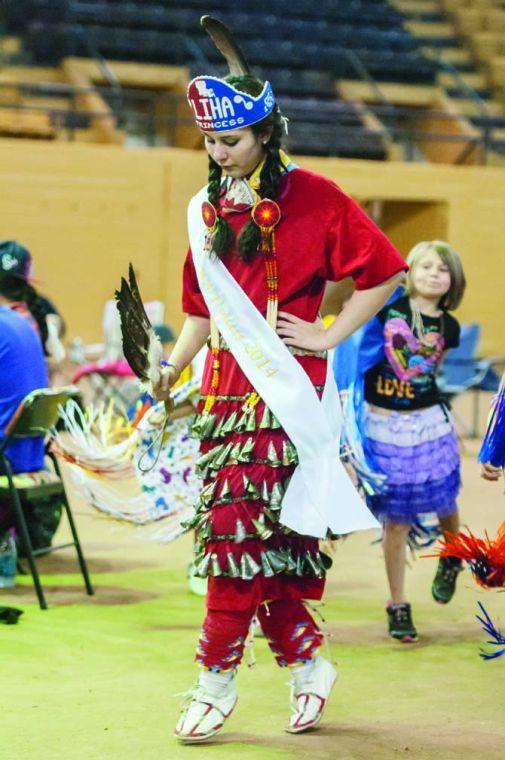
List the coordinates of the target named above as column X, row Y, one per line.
column 485, row 556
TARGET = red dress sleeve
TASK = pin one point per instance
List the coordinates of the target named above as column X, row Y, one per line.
column 357, row 248
column 193, row 302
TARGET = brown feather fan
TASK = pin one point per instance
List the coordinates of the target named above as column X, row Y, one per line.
column 225, row 43
column 141, row 346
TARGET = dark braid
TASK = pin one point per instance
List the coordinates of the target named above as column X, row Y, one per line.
column 16, row 289
column 250, row 236
column 223, row 237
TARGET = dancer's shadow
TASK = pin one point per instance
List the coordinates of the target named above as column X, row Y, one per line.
column 377, row 741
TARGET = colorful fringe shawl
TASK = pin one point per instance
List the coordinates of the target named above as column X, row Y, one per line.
column 106, row 449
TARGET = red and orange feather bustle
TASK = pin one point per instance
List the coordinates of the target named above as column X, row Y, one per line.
column 486, row 557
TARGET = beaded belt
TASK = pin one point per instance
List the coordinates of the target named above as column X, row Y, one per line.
column 223, row 346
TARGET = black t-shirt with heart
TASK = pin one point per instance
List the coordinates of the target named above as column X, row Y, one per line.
column 405, row 379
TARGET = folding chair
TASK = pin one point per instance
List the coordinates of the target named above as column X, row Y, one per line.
column 35, row 417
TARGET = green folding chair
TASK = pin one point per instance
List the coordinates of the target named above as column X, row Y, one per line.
column 36, row 416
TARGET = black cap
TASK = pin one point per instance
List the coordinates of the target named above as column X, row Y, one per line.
column 15, row 259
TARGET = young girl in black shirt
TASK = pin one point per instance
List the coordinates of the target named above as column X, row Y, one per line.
column 410, row 434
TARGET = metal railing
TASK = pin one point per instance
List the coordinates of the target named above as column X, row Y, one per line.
column 137, row 112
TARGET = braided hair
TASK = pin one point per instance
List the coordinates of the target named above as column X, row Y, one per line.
column 15, row 288
column 250, row 236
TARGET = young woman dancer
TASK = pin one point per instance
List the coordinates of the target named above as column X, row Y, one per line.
column 266, row 235
column 409, row 432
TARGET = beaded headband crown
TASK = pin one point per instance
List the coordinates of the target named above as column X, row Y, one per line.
column 217, row 105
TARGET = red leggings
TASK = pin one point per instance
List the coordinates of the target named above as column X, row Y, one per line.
column 292, row 635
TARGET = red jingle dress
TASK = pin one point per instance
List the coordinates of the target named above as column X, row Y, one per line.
column 247, row 458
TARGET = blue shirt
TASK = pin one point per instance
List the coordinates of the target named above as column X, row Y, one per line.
column 22, row 369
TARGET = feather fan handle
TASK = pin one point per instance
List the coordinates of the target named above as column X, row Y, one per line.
column 225, row 43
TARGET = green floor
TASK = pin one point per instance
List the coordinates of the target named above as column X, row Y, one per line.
column 101, row 678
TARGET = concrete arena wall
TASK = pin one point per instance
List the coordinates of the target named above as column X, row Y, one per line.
column 86, row 211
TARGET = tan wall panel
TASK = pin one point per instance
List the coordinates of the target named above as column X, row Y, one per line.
column 402, row 221
column 85, row 211
column 186, row 173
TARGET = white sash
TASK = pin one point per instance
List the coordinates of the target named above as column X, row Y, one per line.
column 320, row 494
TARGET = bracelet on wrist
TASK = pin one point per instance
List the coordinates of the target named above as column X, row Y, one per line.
column 171, row 364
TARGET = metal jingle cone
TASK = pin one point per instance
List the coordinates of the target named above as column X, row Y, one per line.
column 272, row 457
column 208, row 422
column 197, row 521
column 272, row 516
column 240, row 426
column 299, row 565
column 266, row 419
column 248, row 567
column 207, row 492
column 200, row 507
column 250, row 426
column 247, row 450
column 215, row 569
column 276, row 561
column 205, row 532
column 290, row 563
column 222, row 457
column 292, row 453
column 240, row 533
column 262, row 530
column 309, row 561
column 204, row 458
column 202, row 567
column 202, row 468
column 218, row 428
column 196, row 427
column 225, row 490
column 266, row 566
column 229, row 425
column 276, row 496
column 235, row 453
column 274, row 424
column 251, row 490
column 265, row 496
column 286, row 454
column 233, row 568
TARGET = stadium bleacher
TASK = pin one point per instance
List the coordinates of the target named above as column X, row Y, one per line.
column 304, row 48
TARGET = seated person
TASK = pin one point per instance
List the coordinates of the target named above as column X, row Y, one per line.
column 22, row 370
column 18, row 293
